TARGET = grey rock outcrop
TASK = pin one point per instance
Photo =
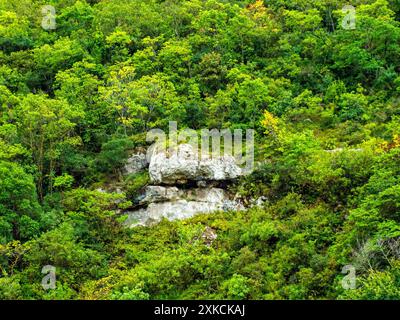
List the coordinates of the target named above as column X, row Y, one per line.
column 186, row 165
column 171, row 196
column 160, row 194
column 172, row 204
column 136, row 163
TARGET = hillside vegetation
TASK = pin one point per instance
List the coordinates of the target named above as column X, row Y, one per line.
column 324, row 102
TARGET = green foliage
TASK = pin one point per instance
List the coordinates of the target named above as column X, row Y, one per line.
column 76, row 101
column 19, row 207
column 378, row 285
column 236, row 287
column 135, row 183
column 113, row 154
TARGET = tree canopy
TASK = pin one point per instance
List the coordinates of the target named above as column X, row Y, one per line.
column 76, row 98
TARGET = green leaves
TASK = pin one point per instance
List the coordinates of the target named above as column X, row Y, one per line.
column 237, row 287
column 18, row 204
column 113, row 155
column 323, row 99
column 46, row 127
column 14, row 32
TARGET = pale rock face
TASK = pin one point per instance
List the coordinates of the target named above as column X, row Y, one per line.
column 151, row 151
column 172, row 203
column 185, row 165
column 168, row 198
column 160, row 194
column 136, row 163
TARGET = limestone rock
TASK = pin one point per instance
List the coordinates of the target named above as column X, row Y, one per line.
column 172, row 203
column 136, row 163
column 186, row 165
column 171, row 196
column 160, row 194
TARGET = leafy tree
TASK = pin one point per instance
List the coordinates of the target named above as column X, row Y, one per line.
column 19, row 206
column 46, row 127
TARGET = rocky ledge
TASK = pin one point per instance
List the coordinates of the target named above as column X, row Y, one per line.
column 182, row 185
column 187, row 165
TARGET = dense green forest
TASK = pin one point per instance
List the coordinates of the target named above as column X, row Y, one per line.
column 77, row 97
